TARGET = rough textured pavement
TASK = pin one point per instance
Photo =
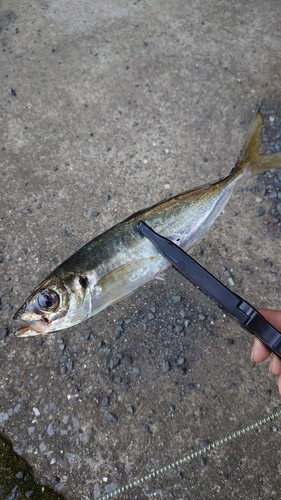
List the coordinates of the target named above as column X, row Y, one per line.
column 107, row 107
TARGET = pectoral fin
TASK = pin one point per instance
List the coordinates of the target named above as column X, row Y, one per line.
column 129, row 276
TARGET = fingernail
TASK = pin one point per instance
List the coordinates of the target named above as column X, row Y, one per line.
column 252, row 354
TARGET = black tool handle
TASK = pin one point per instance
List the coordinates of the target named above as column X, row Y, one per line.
column 240, row 310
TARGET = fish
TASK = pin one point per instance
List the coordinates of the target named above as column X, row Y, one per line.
column 117, row 262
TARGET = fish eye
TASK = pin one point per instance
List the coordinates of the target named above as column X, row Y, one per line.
column 48, row 300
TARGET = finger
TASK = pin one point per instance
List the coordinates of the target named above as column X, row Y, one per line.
column 273, row 316
column 275, row 365
column 259, row 351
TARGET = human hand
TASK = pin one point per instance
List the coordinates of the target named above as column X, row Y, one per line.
column 260, row 352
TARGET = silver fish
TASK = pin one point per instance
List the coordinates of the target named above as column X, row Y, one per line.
column 120, row 260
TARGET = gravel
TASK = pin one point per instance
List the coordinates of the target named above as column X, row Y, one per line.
column 112, row 417
column 166, row 367
column 258, row 211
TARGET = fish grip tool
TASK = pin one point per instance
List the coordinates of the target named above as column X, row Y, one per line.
column 231, row 303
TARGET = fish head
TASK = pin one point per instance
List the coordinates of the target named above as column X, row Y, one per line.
column 55, row 304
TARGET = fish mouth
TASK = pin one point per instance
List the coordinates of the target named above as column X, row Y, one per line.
column 25, row 331
column 31, row 328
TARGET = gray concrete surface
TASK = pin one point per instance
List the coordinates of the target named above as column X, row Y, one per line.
column 117, row 105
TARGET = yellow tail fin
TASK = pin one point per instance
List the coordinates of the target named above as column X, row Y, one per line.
column 250, row 161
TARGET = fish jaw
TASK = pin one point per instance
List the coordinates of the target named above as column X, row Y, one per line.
column 25, row 331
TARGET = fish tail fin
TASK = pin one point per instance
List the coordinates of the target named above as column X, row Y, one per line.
column 250, row 161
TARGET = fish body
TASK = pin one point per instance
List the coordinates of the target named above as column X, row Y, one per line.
column 120, row 260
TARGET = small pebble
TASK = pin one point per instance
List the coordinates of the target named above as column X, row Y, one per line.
column 4, row 332
column 70, row 365
column 20, row 475
column 229, row 341
column 125, row 384
column 180, row 361
column 136, row 370
column 184, row 313
column 178, row 329
column 55, row 479
column 258, row 211
column 272, row 195
column 89, row 336
column 12, row 92
column 166, row 367
column 119, row 329
column 50, row 430
column 130, row 409
column 29, row 494
column 7, row 307
column 111, row 417
column 110, row 487
column 105, row 401
column 94, row 214
column 145, row 428
column 13, row 494
column 127, row 360
column 42, row 447
column 204, row 443
column 176, row 298
column 113, row 363
column 259, row 199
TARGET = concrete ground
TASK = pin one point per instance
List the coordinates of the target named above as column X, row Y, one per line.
column 108, row 107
